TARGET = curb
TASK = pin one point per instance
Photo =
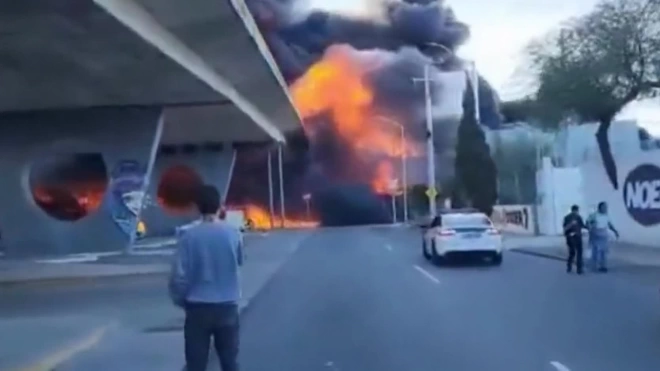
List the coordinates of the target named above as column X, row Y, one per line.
column 51, row 361
column 75, row 280
column 538, row 254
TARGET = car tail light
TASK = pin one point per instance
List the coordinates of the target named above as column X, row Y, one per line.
column 493, row 231
column 446, row 232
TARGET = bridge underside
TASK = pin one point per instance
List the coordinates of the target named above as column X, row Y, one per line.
column 158, row 91
column 56, row 200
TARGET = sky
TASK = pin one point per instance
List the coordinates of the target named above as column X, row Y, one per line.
column 500, row 32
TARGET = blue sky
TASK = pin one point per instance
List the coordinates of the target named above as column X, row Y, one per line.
column 499, row 33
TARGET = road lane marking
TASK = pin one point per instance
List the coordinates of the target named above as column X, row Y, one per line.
column 559, row 367
column 388, row 247
column 52, row 361
column 427, row 274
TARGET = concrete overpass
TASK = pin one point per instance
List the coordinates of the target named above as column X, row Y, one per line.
column 147, row 85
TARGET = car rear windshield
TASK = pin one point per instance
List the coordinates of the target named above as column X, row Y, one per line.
column 466, row 221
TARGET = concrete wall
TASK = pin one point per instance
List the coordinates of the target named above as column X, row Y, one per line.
column 558, row 190
column 635, row 207
column 212, row 167
column 124, row 136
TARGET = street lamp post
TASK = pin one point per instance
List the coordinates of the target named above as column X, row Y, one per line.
column 394, row 183
column 404, row 163
column 307, row 197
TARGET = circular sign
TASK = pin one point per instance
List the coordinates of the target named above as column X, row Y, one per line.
column 641, row 194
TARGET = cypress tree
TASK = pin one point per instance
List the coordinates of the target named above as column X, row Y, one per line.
column 475, row 183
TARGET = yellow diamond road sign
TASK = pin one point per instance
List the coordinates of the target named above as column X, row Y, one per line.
column 431, row 193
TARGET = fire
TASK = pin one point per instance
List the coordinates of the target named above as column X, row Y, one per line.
column 71, row 202
column 337, row 86
column 384, row 176
column 261, row 219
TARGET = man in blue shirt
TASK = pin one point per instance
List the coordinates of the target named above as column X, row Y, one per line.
column 205, row 283
column 599, row 227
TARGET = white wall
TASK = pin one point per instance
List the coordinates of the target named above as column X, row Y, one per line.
column 576, row 144
column 558, row 190
column 638, row 220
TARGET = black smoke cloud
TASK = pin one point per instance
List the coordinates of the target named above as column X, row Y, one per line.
column 298, row 41
column 404, row 32
column 297, row 44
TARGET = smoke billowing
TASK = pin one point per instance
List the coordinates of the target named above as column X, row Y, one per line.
column 388, row 47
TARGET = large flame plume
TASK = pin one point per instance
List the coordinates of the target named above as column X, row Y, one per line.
column 260, row 218
column 336, row 91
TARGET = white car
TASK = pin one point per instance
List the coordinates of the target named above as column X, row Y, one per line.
column 469, row 233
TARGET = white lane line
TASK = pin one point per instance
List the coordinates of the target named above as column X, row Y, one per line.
column 559, row 367
column 427, row 274
column 388, row 247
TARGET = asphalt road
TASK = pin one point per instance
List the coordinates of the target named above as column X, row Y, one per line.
column 361, row 300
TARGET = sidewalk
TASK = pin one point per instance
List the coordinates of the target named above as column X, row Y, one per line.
column 149, row 257
column 554, row 247
column 81, row 343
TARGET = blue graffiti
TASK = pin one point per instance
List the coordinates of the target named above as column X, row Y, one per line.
column 127, row 194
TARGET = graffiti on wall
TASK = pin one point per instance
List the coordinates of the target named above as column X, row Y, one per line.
column 513, row 218
column 641, row 194
column 127, row 194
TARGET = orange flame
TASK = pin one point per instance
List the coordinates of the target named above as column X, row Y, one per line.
column 72, row 201
column 338, row 86
column 260, row 219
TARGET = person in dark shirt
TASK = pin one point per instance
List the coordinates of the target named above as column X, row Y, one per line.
column 573, row 226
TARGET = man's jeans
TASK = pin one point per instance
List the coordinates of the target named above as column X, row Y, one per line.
column 599, row 250
column 206, row 321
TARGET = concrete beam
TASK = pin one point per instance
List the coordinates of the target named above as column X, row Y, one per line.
column 143, row 24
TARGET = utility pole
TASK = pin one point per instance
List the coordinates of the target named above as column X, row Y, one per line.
column 474, row 76
column 430, row 145
column 281, row 173
column 404, row 170
column 271, row 201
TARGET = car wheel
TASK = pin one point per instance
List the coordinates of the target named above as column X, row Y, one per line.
column 497, row 259
column 425, row 251
column 435, row 258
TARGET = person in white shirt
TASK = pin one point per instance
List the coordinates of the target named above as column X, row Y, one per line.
column 599, row 225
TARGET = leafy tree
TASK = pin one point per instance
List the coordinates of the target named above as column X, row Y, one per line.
column 597, row 64
column 476, row 176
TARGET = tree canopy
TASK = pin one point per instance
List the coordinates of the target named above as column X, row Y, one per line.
column 595, row 65
column 475, row 183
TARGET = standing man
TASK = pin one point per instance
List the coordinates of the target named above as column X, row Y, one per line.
column 573, row 225
column 599, row 227
column 205, row 283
